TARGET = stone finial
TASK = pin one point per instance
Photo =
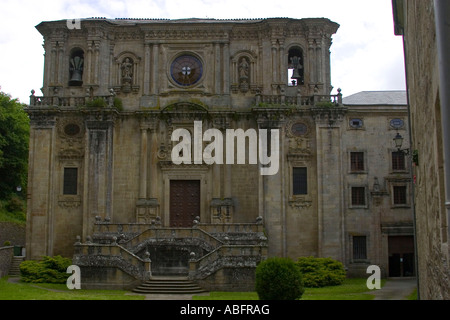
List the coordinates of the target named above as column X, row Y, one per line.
column 78, row 240
column 158, row 221
column 192, row 256
column 259, row 220
column 147, row 256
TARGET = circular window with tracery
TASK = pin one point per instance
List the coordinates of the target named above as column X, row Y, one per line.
column 186, row 70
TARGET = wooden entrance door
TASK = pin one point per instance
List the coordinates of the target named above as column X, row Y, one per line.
column 184, row 202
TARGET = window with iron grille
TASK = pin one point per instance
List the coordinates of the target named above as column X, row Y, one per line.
column 300, row 181
column 398, row 160
column 358, row 196
column 357, row 161
column 359, row 247
column 400, row 195
column 70, row 185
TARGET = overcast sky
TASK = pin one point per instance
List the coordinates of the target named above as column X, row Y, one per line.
column 365, row 54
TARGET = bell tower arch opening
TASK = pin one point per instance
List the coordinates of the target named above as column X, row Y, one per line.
column 76, row 64
column 296, row 71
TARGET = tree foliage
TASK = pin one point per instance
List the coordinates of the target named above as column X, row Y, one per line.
column 14, row 141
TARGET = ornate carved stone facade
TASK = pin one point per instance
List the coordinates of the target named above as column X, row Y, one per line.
column 101, row 150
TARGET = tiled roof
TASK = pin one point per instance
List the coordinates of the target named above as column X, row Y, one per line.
column 377, row 98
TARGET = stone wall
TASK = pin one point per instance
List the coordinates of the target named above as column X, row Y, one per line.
column 12, row 232
column 6, row 254
column 423, row 86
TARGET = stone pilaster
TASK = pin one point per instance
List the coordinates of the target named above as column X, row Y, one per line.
column 99, row 168
column 330, row 174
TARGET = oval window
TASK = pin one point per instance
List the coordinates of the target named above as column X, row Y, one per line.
column 72, row 129
column 356, row 123
column 397, row 123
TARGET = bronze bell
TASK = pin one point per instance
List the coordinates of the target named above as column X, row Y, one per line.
column 76, row 67
column 295, row 74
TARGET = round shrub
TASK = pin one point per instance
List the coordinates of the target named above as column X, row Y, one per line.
column 278, row 279
column 321, row 272
column 49, row 270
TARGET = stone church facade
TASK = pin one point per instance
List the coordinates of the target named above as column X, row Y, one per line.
column 104, row 187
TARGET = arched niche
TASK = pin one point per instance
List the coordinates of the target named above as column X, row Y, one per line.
column 76, row 67
column 126, row 72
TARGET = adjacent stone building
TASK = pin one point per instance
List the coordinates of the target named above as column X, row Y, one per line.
column 426, row 40
column 106, row 185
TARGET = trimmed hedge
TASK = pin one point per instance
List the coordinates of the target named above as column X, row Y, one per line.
column 321, row 272
column 49, row 270
column 278, row 279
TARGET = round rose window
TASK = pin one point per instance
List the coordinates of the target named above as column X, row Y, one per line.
column 186, row 70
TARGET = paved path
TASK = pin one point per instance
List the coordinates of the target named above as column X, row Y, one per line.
column 396, row 289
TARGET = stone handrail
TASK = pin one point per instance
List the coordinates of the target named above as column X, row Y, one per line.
column 112, row 255
column 158, row 234
column 234, row 227
column 226, row 256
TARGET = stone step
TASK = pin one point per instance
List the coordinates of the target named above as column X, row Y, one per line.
column 14, row 269
column 168, row 286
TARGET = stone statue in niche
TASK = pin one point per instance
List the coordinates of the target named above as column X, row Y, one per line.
column 244, row 74
column 127, row 74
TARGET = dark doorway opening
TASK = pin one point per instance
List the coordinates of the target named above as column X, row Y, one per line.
column 401, row 256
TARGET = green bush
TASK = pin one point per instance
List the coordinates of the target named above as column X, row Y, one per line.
column 321, row 272
column 49, row 270
column 278, row 279
column 14, row 204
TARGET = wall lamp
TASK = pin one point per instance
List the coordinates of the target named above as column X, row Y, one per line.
column 398, row 140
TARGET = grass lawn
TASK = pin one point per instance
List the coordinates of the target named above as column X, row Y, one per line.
column 45, row 291
column 351, row 289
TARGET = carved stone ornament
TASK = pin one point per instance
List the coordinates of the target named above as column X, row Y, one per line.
column 67, row 201
column 300, row 203
column 298, row 133
column 71, row 137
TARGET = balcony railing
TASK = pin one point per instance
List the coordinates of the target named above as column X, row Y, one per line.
column 57, row 101
column 300, row 101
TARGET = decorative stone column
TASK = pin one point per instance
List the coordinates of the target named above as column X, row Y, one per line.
column 147, row 207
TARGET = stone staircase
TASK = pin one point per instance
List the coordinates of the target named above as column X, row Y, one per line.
column 14, row 270
column 168, row 285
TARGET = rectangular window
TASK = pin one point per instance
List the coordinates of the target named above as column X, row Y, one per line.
column 300, row 181
column 70, row 185
column 357, row 161
column 358, row 196
column 398, row 160
column 400, row 195
column 359, row 248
